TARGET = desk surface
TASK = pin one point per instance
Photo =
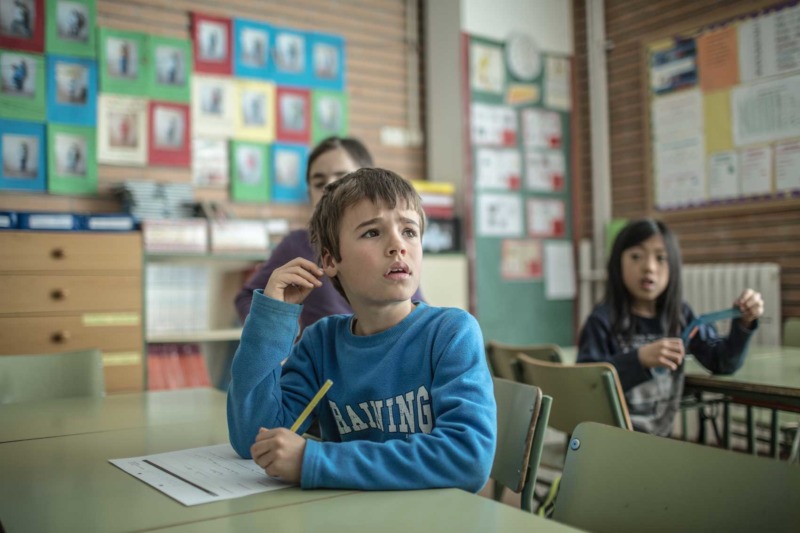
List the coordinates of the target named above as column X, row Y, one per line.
column 64, row 482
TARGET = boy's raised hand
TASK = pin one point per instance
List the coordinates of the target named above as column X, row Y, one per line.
column 751, row 305
column 280, row 453
column 292, row 282
column 667, row 352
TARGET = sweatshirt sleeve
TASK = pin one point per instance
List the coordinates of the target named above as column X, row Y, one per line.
column 596, row 345
column 720, row 355
column 457, row 451
column 255, row 395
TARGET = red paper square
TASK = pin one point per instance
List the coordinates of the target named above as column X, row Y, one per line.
column 159, row 149
column 558, row 228
column 223, row 65
column 293, row 128
column 558, row 182
column 33, row 43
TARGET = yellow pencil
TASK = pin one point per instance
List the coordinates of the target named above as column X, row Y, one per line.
column 311, row 405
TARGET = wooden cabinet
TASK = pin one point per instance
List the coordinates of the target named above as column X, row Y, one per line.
column 71, row 291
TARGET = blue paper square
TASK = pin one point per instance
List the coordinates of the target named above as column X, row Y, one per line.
column 289, row 173
column 328, row 66
column 71, row 90
column 291, row 57
column 252, row 49
column 23, row 148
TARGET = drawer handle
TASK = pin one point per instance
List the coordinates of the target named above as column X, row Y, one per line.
column 59, row 294
column 61, row 336
column 57, row 253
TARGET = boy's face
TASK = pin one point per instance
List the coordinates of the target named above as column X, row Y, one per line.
column 381, row 251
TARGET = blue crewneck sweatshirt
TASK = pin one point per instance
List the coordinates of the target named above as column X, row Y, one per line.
column 411, row 407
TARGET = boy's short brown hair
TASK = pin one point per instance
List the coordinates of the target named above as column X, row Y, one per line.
column 377, row 185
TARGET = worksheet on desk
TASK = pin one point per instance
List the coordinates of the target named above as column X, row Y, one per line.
column 200, row 475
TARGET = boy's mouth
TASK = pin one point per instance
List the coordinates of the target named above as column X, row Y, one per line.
column 398, row 270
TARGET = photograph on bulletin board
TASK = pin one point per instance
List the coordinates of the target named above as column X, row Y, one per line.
column 22, row 86
column 211, row 42
column 210, row 163
column 293, row 120
column 251, row 49
column 328, row 61
column 169, row 134
column 290, row 58
column 170, row 77
column 70, row 28
column 22, row 25
column 121, row 130
column 330, row 115
column 71, row 162
column 254, row 119
column 250, row 169
column 23, row 148
column 122, row 63
column 72, row 90
column 213, row 106
column 289, row 173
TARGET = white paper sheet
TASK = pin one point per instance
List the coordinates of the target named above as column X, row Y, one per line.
column 766, row 111
column 756, row 170
column 499, row 215
column 498, row 169
column 557, row 92
column 559, row 270
column 200, row 475
column 723, row 175
column 545, row 170
column 787, row 166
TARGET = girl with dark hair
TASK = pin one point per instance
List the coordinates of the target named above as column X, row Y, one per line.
column 637, row 326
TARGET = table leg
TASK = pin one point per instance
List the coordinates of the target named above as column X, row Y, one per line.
column 774, row 448
column 751, row 431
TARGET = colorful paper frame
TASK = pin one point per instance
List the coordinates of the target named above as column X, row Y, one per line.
column 212, row 44
column 122, row 62
column 22, row 96
column 289, row 173
column 15, row 23
column 213, row 106
column 328, row 66
column 121, row 130
column 330, row 115
column 169, row 139
column 252, row 57
column 170, row 77
column 293, row 112
column 70, row 28
column 15, row 170
column 71, row 161
column 72, row 90
column 210, row 163
column 291, row 57
column 250, row 172
column 254, row 118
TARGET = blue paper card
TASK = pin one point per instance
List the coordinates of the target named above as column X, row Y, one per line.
column 327, row 61
column 252, row 47
column 291, row 57
column 289, row 173
column 72, row 90
column 22, row 145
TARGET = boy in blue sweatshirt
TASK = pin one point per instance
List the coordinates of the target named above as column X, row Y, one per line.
column 411, row 405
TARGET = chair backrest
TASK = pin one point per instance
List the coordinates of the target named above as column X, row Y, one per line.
column 40, row 377
column 617, row 480
column 503, row 357
column 791, row 332
column 522, row 414
column 588, row 392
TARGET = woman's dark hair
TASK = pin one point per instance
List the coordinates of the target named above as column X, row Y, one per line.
column 354, row 148
column 617, row 297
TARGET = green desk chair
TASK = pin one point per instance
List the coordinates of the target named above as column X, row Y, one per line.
column 522, row 414
column 791, row 332
column 40, row 377
column 618, row 480
column 503, row 357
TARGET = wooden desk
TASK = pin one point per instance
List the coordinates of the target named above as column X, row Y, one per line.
column 56, row 477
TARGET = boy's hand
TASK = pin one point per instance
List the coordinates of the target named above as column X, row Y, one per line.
column 280, row 453
column 667, row 352
column 292, row 282
column 751, row 305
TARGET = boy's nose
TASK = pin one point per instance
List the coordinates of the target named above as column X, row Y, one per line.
column 397, row 246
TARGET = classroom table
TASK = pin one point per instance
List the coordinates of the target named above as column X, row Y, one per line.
column 58, row 478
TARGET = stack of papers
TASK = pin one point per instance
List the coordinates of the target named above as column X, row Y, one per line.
column 147, row 200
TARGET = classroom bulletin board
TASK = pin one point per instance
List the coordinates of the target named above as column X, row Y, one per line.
column 723, row 111
column 520, row 221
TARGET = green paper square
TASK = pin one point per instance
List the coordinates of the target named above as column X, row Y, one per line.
column 71, row 159
column 244, row 186
column 70, row 28
column 29, row 102
column 330, row 114
column 164, row 53
column 114, row 63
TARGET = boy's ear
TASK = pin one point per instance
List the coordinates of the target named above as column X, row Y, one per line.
column 329, row 264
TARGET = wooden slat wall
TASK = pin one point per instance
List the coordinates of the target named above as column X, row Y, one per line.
column 746, row 232
column 377, row 47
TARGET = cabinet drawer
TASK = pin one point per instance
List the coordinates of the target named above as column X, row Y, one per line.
column 69, row 293
column 35, row 335
column 58, row 252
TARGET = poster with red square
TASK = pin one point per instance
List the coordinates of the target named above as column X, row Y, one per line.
column 169, row 142
column 22, row 25
column 212, row 43
column 546, row 217
column 293, row 112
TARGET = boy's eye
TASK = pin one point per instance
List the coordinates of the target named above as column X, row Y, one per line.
column 370, row 233
column 409, row 232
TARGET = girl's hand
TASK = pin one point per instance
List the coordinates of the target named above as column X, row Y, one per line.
column 667, row 352
column 292, row 282
column 751, row 306
column 280, row 453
